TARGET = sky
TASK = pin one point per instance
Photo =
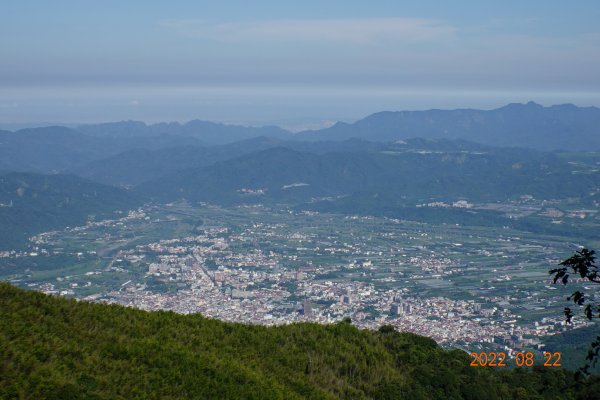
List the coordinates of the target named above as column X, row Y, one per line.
column 297, row 64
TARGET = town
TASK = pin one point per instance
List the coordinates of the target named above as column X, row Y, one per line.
column 463, row 286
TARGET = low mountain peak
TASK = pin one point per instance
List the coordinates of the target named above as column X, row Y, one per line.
column 522, row 106
column 533, row 104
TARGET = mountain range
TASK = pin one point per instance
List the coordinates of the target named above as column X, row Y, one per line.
column 55, row 176
column 559, row 127
column 399, row 171
column 133, row 167
column 59, row 149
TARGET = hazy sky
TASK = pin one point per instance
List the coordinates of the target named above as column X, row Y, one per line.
column 294, row 63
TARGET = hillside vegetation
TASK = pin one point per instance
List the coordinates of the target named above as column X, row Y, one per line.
column 54, row 348
column 32, row 203
column 401, row 172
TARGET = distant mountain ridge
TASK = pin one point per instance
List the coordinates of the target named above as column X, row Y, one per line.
column 59, row 149
column 207, row 132
column 559, row 127
column 369, row 166
column 55, row 149
column 136, row 166
column 404, row 173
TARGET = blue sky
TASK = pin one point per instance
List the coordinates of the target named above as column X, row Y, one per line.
column 294, row 63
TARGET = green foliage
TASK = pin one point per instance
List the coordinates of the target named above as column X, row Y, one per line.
column 583, row 265
column 573, row 346
column 57, row 348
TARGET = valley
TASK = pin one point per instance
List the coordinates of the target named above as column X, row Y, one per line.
column 465, row 286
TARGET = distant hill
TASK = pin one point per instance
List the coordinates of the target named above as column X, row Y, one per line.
column 207, row 132
column 56, row 149
column 560, row 127
column 133, row 167
column 402, row 174
column 33, row 203
column 48, row 149
column 54, row 348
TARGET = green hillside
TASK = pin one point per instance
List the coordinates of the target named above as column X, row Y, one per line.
column 406, row 174
column 33, row 203
column 54, row 348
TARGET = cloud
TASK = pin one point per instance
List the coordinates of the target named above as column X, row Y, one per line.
column 367, row 31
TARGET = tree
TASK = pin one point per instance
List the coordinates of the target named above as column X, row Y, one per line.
column 583, row 264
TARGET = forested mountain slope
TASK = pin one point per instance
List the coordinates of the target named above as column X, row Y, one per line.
column 54, row 348
column 32, row 203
